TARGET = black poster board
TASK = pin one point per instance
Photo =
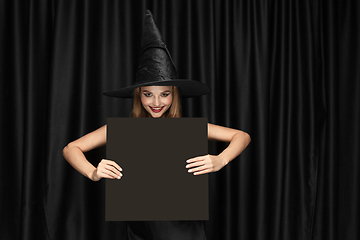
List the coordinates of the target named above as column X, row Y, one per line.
column 156, row 185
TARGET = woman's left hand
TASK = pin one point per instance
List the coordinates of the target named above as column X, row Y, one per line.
column 205, row 164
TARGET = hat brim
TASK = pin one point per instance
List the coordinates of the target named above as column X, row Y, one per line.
column 188, row 88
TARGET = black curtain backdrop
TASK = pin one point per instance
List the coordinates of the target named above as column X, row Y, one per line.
column 287, row 72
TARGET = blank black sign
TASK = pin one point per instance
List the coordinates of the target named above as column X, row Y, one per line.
column 156, row 185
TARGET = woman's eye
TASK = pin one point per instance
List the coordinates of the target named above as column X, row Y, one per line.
column 165, row 94
column 147, row 94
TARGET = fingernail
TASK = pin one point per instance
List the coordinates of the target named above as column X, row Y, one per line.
column 187, row 166
column 189, row 170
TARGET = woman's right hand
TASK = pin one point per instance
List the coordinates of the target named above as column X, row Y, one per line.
column 107, row 169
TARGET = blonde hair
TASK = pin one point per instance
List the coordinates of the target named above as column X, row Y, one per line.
column 174, row 110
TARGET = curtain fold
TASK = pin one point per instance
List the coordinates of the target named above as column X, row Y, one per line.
column 348, row 197
column 286, row 72
column 292, row 118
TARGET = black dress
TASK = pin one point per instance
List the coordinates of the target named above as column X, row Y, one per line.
column 166, row 230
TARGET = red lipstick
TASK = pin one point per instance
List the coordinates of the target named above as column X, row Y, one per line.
column 156, row 110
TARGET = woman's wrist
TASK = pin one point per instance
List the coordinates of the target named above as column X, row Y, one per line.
column 224, row 160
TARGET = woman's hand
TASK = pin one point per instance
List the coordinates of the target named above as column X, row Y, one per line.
column 107, row 169
column 205, row 164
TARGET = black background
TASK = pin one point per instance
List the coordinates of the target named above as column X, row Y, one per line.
column 286, row 72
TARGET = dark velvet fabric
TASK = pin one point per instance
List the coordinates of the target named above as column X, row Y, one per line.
column 166, row 230
column 284, row 71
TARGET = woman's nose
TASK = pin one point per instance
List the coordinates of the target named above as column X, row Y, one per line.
column 156, row 101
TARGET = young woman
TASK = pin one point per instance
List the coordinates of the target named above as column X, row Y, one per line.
column 157, row 101
column 156, row 93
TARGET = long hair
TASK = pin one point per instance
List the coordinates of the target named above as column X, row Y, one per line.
column 174, row 110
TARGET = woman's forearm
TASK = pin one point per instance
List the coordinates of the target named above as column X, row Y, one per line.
column 212, row 163
column 77, row 160
column 236, row 146
column 74, row 154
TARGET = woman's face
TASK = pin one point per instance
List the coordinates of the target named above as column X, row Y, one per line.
column 156, row 99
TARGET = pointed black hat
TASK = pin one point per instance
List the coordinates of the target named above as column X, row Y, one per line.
column 156, row 68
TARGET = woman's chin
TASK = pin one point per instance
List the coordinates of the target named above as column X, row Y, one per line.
column 156, row 115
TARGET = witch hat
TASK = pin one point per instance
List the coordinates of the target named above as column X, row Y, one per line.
column 156, row 68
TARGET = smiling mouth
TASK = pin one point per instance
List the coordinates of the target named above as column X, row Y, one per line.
column 156, row 109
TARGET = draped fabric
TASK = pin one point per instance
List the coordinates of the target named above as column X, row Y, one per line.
column 286, row 72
